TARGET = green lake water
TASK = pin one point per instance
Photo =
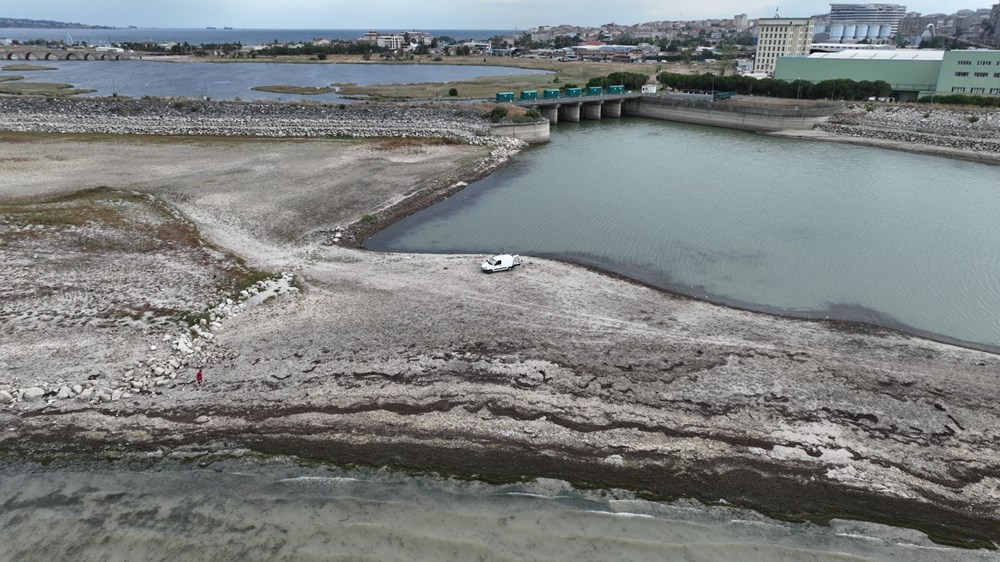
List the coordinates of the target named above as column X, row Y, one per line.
column 796, row 227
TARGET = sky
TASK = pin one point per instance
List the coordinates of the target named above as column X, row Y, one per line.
column 426, row 14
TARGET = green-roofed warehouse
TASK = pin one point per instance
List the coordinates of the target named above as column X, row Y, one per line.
column 911, row 72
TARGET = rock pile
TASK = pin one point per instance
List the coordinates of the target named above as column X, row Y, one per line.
column 165, row 117
column 977, row 130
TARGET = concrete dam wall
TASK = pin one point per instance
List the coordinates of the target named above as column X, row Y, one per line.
column 731, row 113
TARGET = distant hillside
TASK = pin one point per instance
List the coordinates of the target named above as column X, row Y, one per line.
column 45, row 24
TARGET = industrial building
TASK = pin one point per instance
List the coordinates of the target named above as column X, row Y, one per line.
column 911, row 73
column 855, row 23
column 851, row 23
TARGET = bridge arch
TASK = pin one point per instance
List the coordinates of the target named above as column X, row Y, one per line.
column 12, row 56
column 51, row 56
column 30, row 56
column 72, row 56
column 88, row 56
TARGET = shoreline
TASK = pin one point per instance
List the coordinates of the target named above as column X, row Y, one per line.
column 592, row 379
column 929, row 150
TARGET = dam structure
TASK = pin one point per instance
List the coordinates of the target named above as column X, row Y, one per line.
column 737, row 112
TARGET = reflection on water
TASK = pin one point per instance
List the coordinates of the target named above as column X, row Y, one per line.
column 801, row 228
column 280, row 512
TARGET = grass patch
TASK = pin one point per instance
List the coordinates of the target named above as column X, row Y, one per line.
column 122, row 223
column 392, row 143
column 488, row 86
column 297, row 90
column 10, row 78
column 18, row 88
column 28, row 67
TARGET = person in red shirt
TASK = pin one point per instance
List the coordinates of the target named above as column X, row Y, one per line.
column 198, row 376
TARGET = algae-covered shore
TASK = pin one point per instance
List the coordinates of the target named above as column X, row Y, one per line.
column 115, row 297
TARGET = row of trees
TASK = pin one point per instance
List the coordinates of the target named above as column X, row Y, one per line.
column 841, row 88
column 334, row 48
column 631, row 80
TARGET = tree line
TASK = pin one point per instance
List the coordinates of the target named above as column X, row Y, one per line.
column 839, row 89
column 631, row 80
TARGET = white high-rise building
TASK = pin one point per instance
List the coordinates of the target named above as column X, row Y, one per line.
column 780, row 37
column 741, row 22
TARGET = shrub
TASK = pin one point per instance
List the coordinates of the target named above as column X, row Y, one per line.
column 453, row 92
column 869, row 107
column 497, row 113
column 321, row 56
column 533, row 114
column 437, row 59
column 973, row 118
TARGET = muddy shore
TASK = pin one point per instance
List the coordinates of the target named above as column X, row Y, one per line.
column 419, row 361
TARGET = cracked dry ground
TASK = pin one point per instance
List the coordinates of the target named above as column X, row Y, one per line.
column 561, row 372
column 420, row 361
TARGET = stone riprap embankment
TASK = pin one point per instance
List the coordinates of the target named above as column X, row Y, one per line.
column 962, row 129
column 154, row 116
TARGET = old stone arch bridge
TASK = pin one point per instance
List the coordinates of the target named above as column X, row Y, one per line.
column 35, row 52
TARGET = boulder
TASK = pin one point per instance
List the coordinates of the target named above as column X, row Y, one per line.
column 64, row 393
column 6, row 397
column 32, row 393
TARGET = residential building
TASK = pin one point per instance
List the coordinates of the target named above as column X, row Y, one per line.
column 741, row 22
column 393, row 42
column 780, row 37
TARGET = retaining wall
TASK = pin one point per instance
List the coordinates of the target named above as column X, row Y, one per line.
column 730, row 114
column 533, row 133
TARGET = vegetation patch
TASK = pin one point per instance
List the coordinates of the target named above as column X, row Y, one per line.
column 841, row 88
column 393, row 143
column 297, row 90
column 10, row 78
column 127, row 253
column 962, row 99
column 27, row 67
column 19, row 88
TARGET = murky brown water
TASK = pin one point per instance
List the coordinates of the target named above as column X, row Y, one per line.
column 282, row 512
